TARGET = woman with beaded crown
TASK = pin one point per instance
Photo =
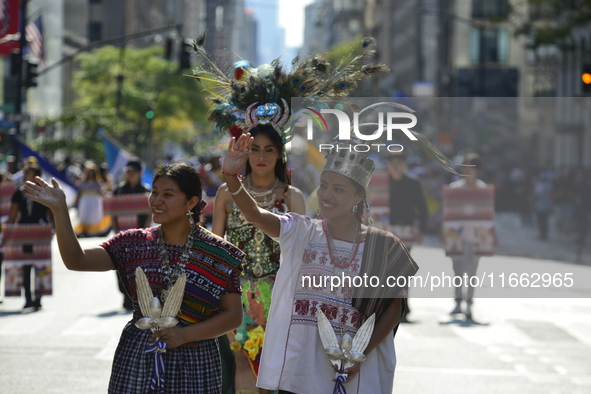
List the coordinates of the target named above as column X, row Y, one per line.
column 335, row 245
column 178, row 248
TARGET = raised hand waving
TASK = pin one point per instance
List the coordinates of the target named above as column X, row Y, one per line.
column 52, row 196
column 237, row 154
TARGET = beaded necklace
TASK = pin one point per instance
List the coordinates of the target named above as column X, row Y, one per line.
column 173, row 273
column 331, row 247
column 266, row 203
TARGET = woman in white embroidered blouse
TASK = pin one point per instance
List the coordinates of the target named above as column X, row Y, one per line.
column 293, row 359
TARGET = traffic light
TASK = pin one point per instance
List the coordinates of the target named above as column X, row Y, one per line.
column 31, row 75
column 150, row 111
column 586, row 78
column 185, row 56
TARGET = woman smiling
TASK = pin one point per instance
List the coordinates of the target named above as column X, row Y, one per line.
column 211, row 299
column 341, row 245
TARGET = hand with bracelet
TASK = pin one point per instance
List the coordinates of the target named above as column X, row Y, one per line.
column 235, row 161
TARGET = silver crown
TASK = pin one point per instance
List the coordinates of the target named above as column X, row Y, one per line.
column 357, row 166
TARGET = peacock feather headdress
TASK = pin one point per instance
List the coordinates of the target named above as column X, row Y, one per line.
column 246, row 96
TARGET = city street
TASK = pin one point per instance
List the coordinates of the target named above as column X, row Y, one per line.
column 519, row 345
column 461, row 126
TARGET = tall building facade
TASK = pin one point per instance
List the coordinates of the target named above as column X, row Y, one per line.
column 270, row 37
column 90, row 22
column 453, row 48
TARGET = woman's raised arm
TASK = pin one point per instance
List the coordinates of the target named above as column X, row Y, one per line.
column 75, row 258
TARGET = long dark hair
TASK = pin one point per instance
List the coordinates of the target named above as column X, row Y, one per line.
column 188, row 181
column 280, row 165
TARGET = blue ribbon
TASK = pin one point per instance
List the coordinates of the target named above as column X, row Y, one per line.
column 339, row 386
column 157, row 348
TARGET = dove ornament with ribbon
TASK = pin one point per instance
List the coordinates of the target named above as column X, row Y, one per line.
column 156, row 317
column 350, row 350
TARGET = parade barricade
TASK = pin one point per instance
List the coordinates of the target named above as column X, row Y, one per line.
column 469, row 216
column 7, row 189
column 126, row 208
column 408, row 234
column 27, row 244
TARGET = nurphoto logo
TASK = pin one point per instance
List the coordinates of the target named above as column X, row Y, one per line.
column 345, row 126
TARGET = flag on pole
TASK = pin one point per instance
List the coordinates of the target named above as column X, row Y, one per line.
column 117, row 158
column 34, row 32
column 49, row 171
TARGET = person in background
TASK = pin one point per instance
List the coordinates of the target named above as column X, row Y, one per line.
column 71, row 171
column 131, row 185
column 467, row 262
column 23, row 210
column 92, row 221
column 408, row 206
column 105, row 177
column 543, row 202
column 212, row 176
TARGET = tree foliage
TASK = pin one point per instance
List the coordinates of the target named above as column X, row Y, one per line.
column 551, row 22
column 119, row 105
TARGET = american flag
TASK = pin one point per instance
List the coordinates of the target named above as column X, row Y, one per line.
column 4, row 16
column 34, row 32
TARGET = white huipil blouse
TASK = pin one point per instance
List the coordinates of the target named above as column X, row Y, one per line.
column 293, row 357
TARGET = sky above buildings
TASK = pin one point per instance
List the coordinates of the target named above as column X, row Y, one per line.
column 291, row 18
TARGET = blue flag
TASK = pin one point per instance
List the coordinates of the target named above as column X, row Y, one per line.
column 117, row 158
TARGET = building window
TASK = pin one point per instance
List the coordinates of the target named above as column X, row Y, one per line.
column 484, row 9
column 545, row 65
column 489, row 45
column 95, row 31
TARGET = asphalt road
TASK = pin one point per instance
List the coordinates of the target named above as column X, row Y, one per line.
column 523, row 345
